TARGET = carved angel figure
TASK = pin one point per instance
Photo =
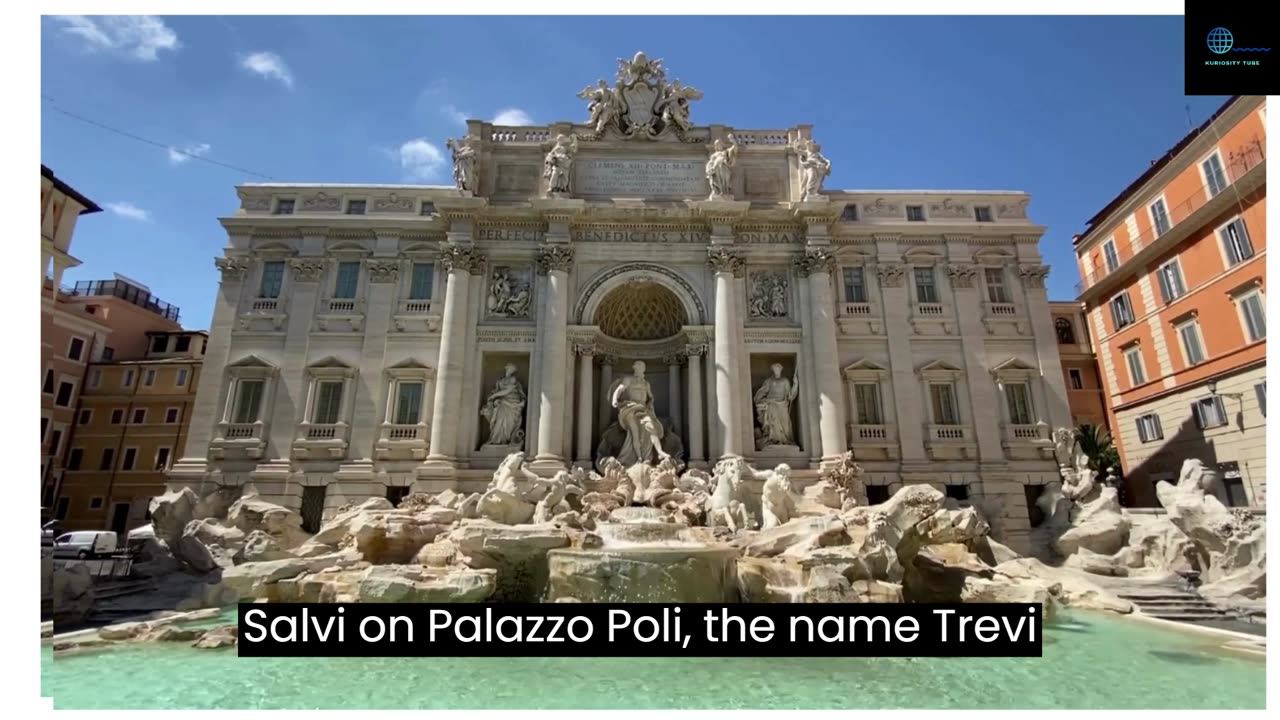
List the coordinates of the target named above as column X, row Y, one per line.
column 814, row 169
column 674, row 107
column 605, row 106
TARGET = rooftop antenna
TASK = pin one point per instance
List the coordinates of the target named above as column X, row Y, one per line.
column 1189, row 125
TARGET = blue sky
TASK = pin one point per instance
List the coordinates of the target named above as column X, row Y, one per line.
column 1070, row 109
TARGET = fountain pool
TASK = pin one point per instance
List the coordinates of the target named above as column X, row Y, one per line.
column 1089, row 662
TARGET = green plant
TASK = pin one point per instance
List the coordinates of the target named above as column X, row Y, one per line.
column 1096, row 444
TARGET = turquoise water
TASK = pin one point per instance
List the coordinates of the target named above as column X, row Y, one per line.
column 1089, row 662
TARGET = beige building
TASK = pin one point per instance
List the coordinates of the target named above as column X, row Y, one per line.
column 1085, row 394
column 377, row 339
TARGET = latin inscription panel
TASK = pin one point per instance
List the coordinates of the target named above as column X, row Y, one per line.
column 641, row 178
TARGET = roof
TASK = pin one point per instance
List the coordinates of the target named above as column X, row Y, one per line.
column 1156, row 167
column 89, row 205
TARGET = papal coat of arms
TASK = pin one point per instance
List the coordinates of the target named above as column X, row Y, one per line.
column 641, row 104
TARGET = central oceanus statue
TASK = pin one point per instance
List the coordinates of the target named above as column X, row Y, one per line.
column 638, row 435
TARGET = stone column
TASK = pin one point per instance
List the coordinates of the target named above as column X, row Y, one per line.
column 606, row 379
column 554, row 261
column 727, row 264
column 695, row 353
column 586, row 355
column 673, row 391
column 458, row 261
column 816, row 266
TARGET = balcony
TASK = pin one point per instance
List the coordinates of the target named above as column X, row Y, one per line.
column 855, row 309
column 340, row 315
column 128, row 292
column 238, row 441
column 950, row 442
column 264, row 305
column 403, row 442
column 417, row 315
column 1026, row 442
column 1000, row 309
column 929, row 309
column 1245, row 171
column 415, row 307
column 337, row 305
column 873, row 442
column 321, row 441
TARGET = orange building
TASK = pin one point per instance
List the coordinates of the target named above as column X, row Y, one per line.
column 1085, row 395
column 132, row 422
column 1174, row 290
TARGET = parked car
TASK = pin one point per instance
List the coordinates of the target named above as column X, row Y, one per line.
column 85, row 544
column 48, row 531
column 139, row 535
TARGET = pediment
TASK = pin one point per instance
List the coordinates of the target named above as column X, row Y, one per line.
column 1013, row 364
column 864, row 368
column 328, row 362
column 251, row 361
column 938, row 366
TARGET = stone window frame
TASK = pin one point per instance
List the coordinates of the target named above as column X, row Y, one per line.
column 181, row 377
column 128, row 378
column 1151, row 215
column 84, row 348
column 85, row 416
column 277, row 205
column 251, row 291
column 149, row 377
column 1160, row 280
column 1126, row 350
column 1115, row 252
column 156, row 466
column 940, row 372
column 1075, row 373
column 249, row 368
column 1243, row 292
column 409, row 371
column 1185, row 320
column 329, row 369
column 139, row 416
column 124, row 459
column 1221, row 233
column 867, row 372
column 346, row 252
column 71, row 380
column 421, row 253
column 1204, row 176
column 1015, row 371
column 177, row 417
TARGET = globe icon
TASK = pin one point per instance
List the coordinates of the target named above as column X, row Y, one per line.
column 1220, row 40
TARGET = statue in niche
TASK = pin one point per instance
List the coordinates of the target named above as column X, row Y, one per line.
column 720, row 168
column 558, row 165
column 768, row 295
column 773, row 409
column 814, row 168
column 508, row 295
column 674, row 106
column 605, row 105
column 464, row 163
column 633, row 398
column 504, row 410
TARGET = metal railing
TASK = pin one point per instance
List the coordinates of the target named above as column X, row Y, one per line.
column 127, row 292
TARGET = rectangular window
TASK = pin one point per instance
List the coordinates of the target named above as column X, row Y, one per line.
column 159, row 343
column 75, row 458
column 1137, row 372
column 1121, row 310
column 1018, row 396
column 149, row 378
column 915, row 213
column 996, row 291
column 1170, row 277
column 1255, row 316
column 55, row 440
column 171, row 416
column 1149, row 428
column 408, row 403
column 108, row 458
column 127, row 380
column 95, row 503
column 943, row 398
column 926, row 290
column 346, row 280
column 428, row 208
column 130, row 458
column 1192, row 345
column 248, row 400
column 421, row 281
column 95, row 377
column 63, row 399
column 1235, row 242
column 1077, row 378
column 1215, row 179
column 1160, row 217
column 108, row 353
column 272, row 279
column 47, row 388
column 355, row 207
column 855, row 286
column 181, row 380
column 76, row 350
column 982, row 213
column 1236, row 496
column 1209, row 412
column 284, row 207
column 849, row 213
column 85, row 416
column 328, row 402
column 957, row 492
column 64, row 504
column 117, row 416
column 1261, row 391
column 867, row 396
column 139, row 416
column 1110, row 255
column 182, row 344
column 44, row 426
column 162, row 459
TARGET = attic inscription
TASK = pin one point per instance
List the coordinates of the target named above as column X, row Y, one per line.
column 641, row 178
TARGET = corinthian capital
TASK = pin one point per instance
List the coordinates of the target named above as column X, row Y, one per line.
column 460, row 257
column 1033, row 276
column 552, row 258
column 232, row 268
column 384, row 271
column 723, row 259
column 307, row 269
column 891, row 275
column 815, row 261
column 962, row 274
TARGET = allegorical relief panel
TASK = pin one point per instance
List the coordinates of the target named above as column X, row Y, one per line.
column 510, row 292
column 768, row 294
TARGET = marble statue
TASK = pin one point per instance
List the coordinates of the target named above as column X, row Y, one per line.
column 558, row 165
column 1064, row 444
column 674, row 106
column 768, row 295
column 504, row 410
column 464, row 163
column 633, row 398
column 773, row 409
column 814, row 169
column 723, row 506
column 777, row 499
column 553, row 502
column 604, row 107
column 506, row 500
column 720, row 168
column 508, row 295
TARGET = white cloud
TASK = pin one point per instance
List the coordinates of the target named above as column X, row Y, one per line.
column 129, row 210
column 141, row 37
column 420, row 160
column 268, row 65
column 512, row 116
column 177, row 156
column 453, row 113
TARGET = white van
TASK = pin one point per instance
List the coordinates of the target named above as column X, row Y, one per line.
column 84, row 544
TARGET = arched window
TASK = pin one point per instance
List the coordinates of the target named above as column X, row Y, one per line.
column 1066, row 333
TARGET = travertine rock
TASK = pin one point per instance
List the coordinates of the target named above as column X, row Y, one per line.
column 414, row 583
column 937, row 573
column 813, row 531
column 261, row 547
column 221, row 636
column 517, row 552
column 72, row 594
column 251, row 512
column 390, row 538
column 1099, row 526
column 1073, row 588
column 170, row 514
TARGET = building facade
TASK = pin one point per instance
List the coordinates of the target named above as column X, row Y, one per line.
column 1174, row 288
column 373, row 340
column 131, row 426
column 1085, row 394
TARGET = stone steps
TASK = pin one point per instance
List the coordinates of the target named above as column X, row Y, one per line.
column 1174, row 604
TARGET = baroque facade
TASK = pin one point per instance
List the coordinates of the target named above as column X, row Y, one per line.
column 378, row 339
